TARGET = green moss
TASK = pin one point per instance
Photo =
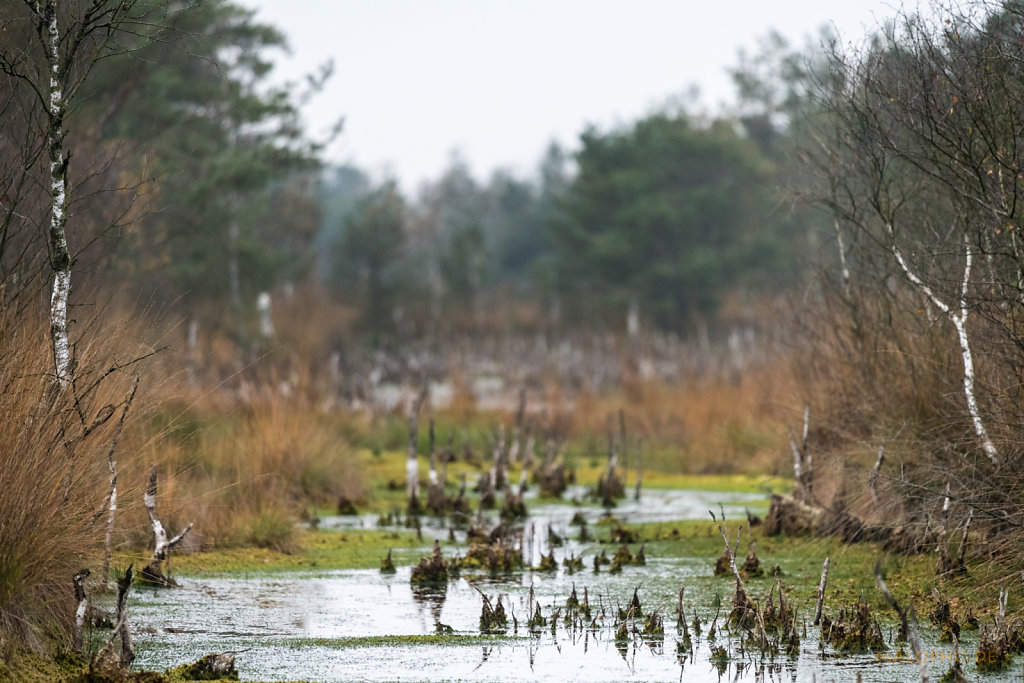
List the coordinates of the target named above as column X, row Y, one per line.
column 355, row 549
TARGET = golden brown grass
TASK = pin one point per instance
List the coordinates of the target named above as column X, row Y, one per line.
column 53, row 477
column 242, row 466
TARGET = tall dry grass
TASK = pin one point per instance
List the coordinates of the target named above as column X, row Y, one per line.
column 883, row 372
column 244, row 460
column 716, row 423
column 241, row 460
column 53, row 477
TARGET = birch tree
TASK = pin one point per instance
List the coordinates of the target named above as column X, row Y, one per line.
column 920, row 161
column 68, row 39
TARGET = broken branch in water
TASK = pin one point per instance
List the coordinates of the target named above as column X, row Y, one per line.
column 153, row 571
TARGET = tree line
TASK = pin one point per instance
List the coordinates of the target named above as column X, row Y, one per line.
column 194, row 185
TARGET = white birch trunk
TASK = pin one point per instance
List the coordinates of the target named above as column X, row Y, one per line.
column 959, row 319
column 161, row 543
column 108, row 547
column 80, row 612
column 844, row 268
column 821, row 592
column 266, row 320
column 60, row 258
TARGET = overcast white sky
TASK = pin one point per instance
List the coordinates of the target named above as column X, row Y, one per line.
column 498, row 79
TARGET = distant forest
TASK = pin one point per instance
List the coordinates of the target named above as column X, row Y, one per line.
column 195, row 187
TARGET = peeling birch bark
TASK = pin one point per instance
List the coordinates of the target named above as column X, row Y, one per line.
column 60, row 258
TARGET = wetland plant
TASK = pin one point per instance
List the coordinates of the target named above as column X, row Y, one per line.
column 854, row 631
column 743, row 611
column 942, row 617
column 622, row 557
column 720, row 658
column 513, row 508
column 684, row 631
column 431, row 571
column 548, row 563
column 572, row 564
column 537, row 621
column 493, row 620
column 654, row 626
column 751, row 565
column 386, row 565
column 1000, row 641
column 497, row 557
column 622, row 534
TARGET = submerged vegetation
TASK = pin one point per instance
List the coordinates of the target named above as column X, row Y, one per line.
column 329, row 375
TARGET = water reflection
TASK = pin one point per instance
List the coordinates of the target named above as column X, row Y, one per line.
column 430, row 602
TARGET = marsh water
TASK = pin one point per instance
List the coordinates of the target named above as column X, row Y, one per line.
column 322, row 625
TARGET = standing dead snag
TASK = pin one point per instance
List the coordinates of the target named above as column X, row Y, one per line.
column 944, row 564
column 436, row 501
column 110, row 504
column 821, row 592
column 153, row 572
column 83, row 605
column 873, row 478
column 803, row 463
column 412, row 469
column 609, row 486
column 105, row 656
column 743, row 611
column 516, row 452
